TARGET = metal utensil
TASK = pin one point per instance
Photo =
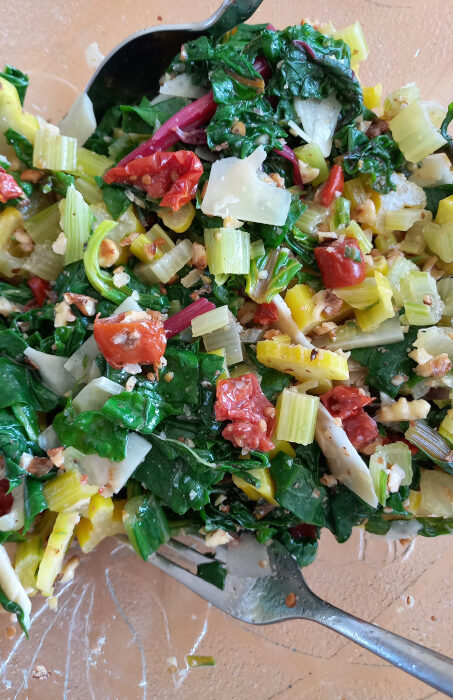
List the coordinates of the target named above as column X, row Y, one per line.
column 134, row 67
column 267, row 586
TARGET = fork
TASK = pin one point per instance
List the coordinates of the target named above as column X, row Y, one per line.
column 133, row 68
column 267, row 586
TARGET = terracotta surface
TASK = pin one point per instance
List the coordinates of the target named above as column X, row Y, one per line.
column 121, row 620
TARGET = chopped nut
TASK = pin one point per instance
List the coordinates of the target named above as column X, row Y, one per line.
column 290, row 600
column 231, row 222
column 131, row 382
column 38, row 466
column 399, row 379
column 403, row 410
column 10, row 632
column 430, row 266
column 395, row 477
column 120, row 278
column 238, row 128
column 217, row 537
column 40, row 672
column 109, row 252
column 168, row 377
column 328, row 480
column 52, row 602
column 127, row 240
column 278, row 179
column 246, row 312
column 327, row 303
column 365, row 213
column 56, row 454
column 7, row 307
column 59, row 245
column 307, row 172
column 272, row 333
column 371, row 448
column 199, row 257
column 86, row 305
column 132, row 368
column 23, row 243
column 439, row 366
column 32, row 175
column 69, row 569
column 63, row 314
column 428, row 300
column 323, row 328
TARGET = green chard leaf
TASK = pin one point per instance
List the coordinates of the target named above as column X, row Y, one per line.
column 297, row 490
column 213, row 572
column 146, row 525
column 17, row 78
column 91, row 433
column 435, row 194
column 260, row 124
column 20, row 385
column 20, row 293
column 114, row 198
column 384, row 362
column 22, row 146
column 145, row 117
column 101, row 137
column 34, row 500
column 346, row 511
column 12, row 607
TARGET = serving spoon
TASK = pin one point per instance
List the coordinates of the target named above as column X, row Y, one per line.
column 134, row 67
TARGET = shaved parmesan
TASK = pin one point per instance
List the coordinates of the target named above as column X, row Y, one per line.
column 319, row 119
column 80, row 121
column 182, row 86
column 235, row 190
column 52, row 369
column 109, row 475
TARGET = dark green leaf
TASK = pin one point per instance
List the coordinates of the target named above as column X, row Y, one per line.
column 259, row 121
column 12, row 607
column 432, row 527
column 28, row 418
column 346, row 511
column 34, row 501
column 91, row 433
column 114, row 198
column 352, row 253
column 22, row 146
column 17, row 78
column 297, row 490
column 213, row 572
column 20, row 293
column 101, row 137
column 384, row 362
column 303, row 549
column 20, row 385
column 435, row 194
column 146, row 525
column 142, row 118
column 12, row 344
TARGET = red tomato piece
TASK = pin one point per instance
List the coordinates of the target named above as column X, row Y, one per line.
column 9, row 189
column 341, row 263
column 361, row 429
column 247, row 435
column 39, row 287
column 241, row 400
column 265, row 314
column 131, row 338
column 303, row 530
column 6, row 499
column 344, row 401
column 172, row 176
column 333, row 184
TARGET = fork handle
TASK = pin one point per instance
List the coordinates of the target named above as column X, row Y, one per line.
column 425, row 664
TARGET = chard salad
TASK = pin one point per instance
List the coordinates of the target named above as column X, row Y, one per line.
column 225, row 309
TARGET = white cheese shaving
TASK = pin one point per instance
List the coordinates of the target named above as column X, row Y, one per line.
column 235, row 190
